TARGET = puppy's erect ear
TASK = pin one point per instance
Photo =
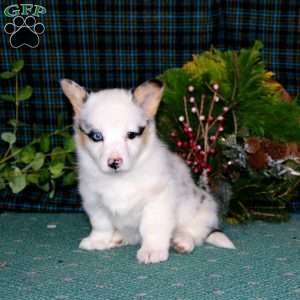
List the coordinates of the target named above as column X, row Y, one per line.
column 148, row 96
column 75, row 93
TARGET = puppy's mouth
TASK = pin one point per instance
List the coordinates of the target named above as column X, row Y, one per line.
column 114, row 171
column 111, row 171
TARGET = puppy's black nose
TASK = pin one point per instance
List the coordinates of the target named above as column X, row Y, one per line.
column 115, row 163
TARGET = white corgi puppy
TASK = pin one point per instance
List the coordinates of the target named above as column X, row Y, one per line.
column 134, row 190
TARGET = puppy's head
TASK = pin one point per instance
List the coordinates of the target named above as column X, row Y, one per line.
column 114, row 126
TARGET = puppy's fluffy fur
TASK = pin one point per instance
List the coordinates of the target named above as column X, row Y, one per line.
column 149, row 197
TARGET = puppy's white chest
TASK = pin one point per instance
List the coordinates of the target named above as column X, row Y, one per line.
column 128, row 225
column 125, row 209
column 121, row 200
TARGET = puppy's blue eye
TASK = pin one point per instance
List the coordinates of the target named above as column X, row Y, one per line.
column 96, row 136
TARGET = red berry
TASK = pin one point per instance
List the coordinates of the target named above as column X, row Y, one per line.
column 212, row 151
column 195, row 170
column 210, row 119
column 203, row 165
column 208, row 168
column 194, row 145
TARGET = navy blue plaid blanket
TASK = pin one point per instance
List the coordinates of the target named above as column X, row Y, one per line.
column 109, row 43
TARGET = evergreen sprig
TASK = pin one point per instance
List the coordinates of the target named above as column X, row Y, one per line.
column 257, row 110
column 244, row 81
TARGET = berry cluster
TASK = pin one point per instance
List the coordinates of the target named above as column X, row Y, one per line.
column 196, row 145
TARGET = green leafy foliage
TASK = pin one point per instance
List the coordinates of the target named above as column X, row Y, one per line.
column 70, row 178
column 17, row 181
column 8, row 137
column 56, row 168
column 257, row 110
column 45, row 143
column 2, row 183
column 27, row 154
column 17, row 66
column 7, row 75
column 8, row 98
column 33, row 178
column 58, row 154
column 35, row 163
column 25, row 93
column 38, row 161
column 69, row 145
column 243, row 81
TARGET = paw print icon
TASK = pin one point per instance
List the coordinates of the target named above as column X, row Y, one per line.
column 24, row 32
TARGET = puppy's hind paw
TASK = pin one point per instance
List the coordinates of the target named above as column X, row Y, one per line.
column 183, row 244
column 146, row 255
column 117, row 240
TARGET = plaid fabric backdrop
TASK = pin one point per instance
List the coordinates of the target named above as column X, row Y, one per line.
column 111, row 43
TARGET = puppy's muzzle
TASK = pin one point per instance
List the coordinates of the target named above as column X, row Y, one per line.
column 115, row 163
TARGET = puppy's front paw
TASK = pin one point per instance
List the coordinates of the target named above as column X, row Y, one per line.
column 94, row 243
column 147, row 255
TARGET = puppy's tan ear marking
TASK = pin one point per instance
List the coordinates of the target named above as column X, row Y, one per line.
column 148, row 95
column 75, row 93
